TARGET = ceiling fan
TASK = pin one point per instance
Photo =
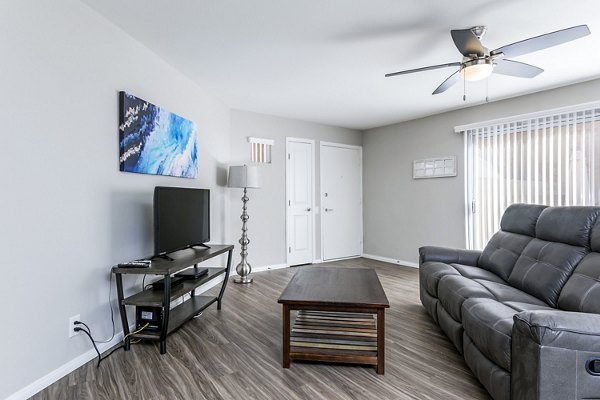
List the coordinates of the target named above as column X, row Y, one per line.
column 479, row 63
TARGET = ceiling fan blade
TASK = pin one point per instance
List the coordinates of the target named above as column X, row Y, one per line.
column 467, row 43
column 410, row 71
column 515, row 68
column 543, row 41
column 450, row 81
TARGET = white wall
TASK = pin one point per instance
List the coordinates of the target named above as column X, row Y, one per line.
column 402, row 214
column 266, row 208
column 66, row 212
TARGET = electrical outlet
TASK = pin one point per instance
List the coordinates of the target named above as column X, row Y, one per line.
column 72, row 325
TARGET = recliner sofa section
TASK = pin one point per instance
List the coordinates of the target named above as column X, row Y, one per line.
column 525, row 311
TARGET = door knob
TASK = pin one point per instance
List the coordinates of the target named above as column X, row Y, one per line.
column 308, row 209
column 328, row 209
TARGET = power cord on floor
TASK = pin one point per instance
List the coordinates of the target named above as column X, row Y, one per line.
column 134, row 332
column 89, row 335
column 78, row 329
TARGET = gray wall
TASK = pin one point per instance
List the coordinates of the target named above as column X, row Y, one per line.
column 402, row 214
column 67, row 214
column 266, row 227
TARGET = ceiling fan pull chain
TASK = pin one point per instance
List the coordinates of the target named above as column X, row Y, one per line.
column 464, row 89
column 487, row 90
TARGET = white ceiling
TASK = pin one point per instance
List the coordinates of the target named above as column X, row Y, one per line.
column 325, row 60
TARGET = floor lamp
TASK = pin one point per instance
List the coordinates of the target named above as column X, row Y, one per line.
column 243, row 176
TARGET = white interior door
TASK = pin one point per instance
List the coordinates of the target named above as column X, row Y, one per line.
column 300, row 199
column 341, row 201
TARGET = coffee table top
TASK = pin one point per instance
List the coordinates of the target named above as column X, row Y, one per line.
column 350, row 287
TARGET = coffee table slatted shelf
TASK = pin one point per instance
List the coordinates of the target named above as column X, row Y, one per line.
column 349, row 335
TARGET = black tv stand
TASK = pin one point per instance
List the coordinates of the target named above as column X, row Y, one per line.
column 174, row 317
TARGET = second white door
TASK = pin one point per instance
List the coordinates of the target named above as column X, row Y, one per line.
column 341, row 201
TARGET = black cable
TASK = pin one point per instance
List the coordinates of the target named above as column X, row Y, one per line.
column 78, row 329
column 112, row 351
column 84, row 324
column 100, row 357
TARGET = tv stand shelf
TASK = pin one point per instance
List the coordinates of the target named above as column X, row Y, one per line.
column 173, row 318
column 155, row 298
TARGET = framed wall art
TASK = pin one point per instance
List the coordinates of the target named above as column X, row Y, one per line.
column 155, row 141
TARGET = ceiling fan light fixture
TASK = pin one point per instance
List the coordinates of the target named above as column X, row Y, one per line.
column 476, row 70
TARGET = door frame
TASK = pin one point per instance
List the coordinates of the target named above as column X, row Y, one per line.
column 287, row 196
column 321, row 214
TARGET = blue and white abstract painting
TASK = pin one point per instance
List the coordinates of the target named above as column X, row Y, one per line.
column 154, row 140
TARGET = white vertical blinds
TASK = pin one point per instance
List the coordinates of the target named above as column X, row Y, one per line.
column 260, row 150
column 549, row 159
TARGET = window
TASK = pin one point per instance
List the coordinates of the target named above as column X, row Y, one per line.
column 260, row 150
column 547, row 159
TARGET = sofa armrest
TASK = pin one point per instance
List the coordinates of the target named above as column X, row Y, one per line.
column 448, row 255
column 554, row 355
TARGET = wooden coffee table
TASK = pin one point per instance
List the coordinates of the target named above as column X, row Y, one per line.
column 336, row 322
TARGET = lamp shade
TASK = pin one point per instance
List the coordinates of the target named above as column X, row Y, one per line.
column 243, row 176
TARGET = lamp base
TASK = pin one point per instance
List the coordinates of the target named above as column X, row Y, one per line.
column 242, row 280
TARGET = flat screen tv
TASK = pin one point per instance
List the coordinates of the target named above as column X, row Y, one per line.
column 181, row 218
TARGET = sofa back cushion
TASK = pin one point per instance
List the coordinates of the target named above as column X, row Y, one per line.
column 569, row 225
column 521, row 218
column 517, row 229
column 562, row 240
column 581, row 293
column 544, row 267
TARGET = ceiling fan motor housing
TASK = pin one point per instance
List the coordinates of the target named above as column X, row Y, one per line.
column 476, row 69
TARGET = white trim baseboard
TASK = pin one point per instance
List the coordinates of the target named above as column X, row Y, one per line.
column 266, row 268
column 65, row 369
column 391, row 260
column 70, row 366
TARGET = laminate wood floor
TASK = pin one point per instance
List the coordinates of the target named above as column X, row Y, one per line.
column 235, row 353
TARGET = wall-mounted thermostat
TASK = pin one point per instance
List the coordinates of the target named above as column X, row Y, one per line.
column 439, row 167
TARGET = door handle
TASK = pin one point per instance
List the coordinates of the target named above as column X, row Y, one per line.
column 328, row 209
column 308, row 209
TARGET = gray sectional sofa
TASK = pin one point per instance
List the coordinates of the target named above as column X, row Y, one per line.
column 524, row 312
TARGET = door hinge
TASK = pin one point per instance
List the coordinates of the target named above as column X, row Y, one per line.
column 289, row 156
column 473, row 207
column 289, row 202
column 289, row 249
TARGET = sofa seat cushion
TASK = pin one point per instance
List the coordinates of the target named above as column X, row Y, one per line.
column 489, row 325
column 430, row 274
column 477, row 273
column 453, row 290
column 506, row 293
column 518, row 306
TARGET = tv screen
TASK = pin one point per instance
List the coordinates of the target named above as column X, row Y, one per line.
column 181, row 218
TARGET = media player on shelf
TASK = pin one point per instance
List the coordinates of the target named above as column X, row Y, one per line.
column 192, row 273
column 160, row 284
